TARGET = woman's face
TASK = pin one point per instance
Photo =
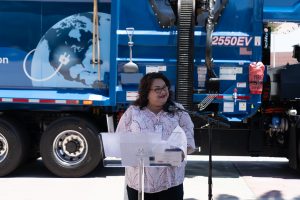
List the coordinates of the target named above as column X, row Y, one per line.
column 158, row 94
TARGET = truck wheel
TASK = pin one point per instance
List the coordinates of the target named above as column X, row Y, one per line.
column 70, row 147
column 13, row 146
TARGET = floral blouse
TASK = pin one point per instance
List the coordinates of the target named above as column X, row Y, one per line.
column 136, row 120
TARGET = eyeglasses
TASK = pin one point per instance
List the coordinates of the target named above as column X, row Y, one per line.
column 158, row 90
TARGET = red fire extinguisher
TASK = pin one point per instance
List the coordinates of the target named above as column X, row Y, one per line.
column 256, row 76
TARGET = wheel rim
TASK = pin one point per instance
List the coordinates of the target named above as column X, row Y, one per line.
column 70, row 148
column 3, row 148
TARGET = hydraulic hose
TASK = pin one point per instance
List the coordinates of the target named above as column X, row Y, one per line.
column 209, row 30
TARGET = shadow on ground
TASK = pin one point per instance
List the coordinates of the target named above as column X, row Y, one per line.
column 37, row 169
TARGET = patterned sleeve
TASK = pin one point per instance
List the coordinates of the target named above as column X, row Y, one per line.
column 125, row 121
column 187, row 125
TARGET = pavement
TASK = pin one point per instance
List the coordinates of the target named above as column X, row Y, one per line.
column 234, row 178
column 242, row 178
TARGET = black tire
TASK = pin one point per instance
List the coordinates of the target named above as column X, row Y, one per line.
column 70, row 147
column 14, row 146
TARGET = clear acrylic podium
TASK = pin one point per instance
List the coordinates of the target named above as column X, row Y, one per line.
column 138, row 150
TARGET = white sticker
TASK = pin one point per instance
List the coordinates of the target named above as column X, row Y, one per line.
column 257, row 41
column 155, row 68
column 227, row 77
column 162, row 68
column 202, row 70
column 241, row 84
column 242, row 106
column 150, row 69
column 131, row 95
column 201, row 77
column 231, row 70
column 228, row 107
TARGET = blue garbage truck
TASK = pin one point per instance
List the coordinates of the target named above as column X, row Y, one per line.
column 69, row 69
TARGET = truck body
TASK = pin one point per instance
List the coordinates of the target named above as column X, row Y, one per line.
column 66, row 74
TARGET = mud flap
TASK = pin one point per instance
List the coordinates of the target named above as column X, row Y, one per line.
column 256, row 137
column 293, row 153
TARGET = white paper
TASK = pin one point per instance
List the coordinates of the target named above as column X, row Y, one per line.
column 173, row 158
column 178, row 139
column 111, row 144
column 132, row 147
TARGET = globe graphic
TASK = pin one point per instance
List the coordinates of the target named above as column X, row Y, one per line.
column 64, row 53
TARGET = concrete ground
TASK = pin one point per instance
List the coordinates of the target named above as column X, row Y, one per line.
column 234, row 178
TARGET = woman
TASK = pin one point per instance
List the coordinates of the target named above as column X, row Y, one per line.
column 151, row 113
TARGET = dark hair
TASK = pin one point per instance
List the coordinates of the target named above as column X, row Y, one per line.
column 145, row 86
